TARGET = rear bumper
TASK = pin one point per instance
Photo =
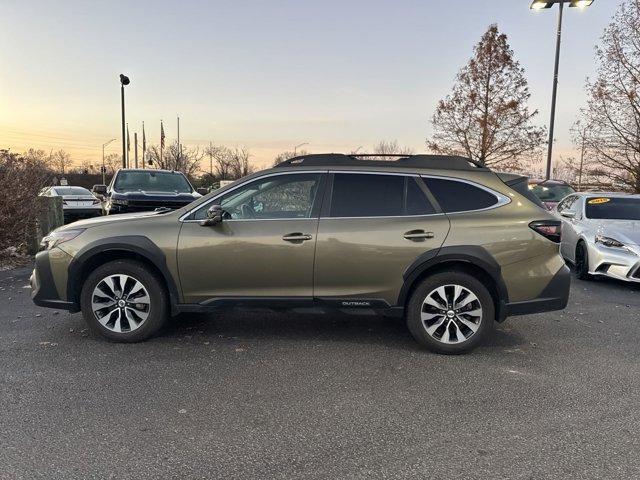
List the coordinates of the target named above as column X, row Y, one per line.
column 555, row 296
column 43, row 288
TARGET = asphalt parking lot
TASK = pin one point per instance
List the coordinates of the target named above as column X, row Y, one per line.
column 267, row 395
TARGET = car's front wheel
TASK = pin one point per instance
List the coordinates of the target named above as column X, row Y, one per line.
column 124, row 301
column 450, row 312
column 582, row 262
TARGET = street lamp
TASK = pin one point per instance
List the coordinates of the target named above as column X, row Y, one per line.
column 540, row 5
column 295, row 149
column 104, row 170
column 124, row 80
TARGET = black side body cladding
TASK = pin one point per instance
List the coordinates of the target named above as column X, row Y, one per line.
column 137, row 244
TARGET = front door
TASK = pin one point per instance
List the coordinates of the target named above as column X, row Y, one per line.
column 264, row 247
column 372, row 228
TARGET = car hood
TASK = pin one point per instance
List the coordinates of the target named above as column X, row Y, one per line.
column 150, row 195
column 97, row 221
column 625, row 231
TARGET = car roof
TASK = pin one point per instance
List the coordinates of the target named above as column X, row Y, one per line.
column 536, row 181
column 606, row 194
column 154, row 170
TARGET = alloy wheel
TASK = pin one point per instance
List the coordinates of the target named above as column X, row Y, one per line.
column 120, row 303
column 451, row 314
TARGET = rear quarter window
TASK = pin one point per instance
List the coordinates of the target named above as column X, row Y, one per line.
column 456, row 196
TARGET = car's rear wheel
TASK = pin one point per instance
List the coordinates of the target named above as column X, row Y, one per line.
column 582, row 262
column 124, row 301
column 450, row 312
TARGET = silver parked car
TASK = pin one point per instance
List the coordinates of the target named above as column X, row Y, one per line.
column 601, row 234
column 77, row 202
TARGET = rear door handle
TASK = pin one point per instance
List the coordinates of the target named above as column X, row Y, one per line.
column 296, row 237
column 418, row 235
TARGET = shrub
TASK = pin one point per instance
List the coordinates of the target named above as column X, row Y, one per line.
column 21, row 179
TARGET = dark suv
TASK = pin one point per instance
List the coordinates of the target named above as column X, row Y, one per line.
column 140, row 190
column 445, row 242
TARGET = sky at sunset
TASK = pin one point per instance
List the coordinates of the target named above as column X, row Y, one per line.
column 267, row 75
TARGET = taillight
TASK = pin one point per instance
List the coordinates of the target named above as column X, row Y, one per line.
column 549, row 229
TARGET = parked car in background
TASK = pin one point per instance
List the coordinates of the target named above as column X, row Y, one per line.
column 77, row 202
column 601, row 234
column 140, row 190
column 444, row 241
column 550, row 192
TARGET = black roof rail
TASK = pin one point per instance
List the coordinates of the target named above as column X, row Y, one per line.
column 443, row 162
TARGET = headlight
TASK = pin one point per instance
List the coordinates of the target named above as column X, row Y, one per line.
column 609, row 242
column 57, row 237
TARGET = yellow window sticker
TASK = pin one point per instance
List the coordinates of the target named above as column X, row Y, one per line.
column 597, row 201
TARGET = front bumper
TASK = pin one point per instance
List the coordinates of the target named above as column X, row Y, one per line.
column 614, row 263
column 43, row 287
column 555, row 296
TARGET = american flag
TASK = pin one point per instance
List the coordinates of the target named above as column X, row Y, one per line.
column 161, row 135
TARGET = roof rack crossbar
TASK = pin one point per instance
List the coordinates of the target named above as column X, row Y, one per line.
column 445, row 162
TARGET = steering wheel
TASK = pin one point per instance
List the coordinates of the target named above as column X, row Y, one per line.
column 247, row 211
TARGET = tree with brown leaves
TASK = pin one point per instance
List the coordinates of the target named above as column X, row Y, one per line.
column 613, row 108
column 486, row 116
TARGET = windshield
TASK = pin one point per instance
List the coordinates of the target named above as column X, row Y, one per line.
column 152, row 182
column 551, row 192
column 72, row 191
column 613, row 208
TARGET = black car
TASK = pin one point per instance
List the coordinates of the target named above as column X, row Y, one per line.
column 140, row 190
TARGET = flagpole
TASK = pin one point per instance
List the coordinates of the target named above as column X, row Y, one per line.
column 144, row 148
column 161, row 143
column 135, row 142
column 128, row 145
column 179, row 146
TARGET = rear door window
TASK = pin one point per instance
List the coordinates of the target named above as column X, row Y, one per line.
column 456, row 196
column 367, row 195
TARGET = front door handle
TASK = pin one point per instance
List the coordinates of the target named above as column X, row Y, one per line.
column 296, row 237
column 418, row 235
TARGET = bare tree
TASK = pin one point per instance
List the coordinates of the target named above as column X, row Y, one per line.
column 613, row 107
column 281, row 157
column 239, row 161
column 112, row 163
column 384, row 147
column 61, row 161
column 486, row 116
column 175, row 157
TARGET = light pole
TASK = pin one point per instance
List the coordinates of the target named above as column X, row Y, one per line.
column 124, row 80
column 104, row 170
column 295, row 149
column 539, row 5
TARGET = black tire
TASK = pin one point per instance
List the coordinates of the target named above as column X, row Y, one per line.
column 157, row 309
column 582, row 262
column 418, row 328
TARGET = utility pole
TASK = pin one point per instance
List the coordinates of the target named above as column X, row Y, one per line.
column 584, row 134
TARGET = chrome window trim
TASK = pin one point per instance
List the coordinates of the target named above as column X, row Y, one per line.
column 273, row 174
column 502, row 199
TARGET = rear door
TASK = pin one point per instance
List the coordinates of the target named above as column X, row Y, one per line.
column 373, row 226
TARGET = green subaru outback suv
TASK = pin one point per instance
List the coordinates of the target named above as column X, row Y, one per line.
column 449, row 244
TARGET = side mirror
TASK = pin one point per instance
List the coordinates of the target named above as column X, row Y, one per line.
column 202, row 190
column 214, row 216
column 99, row 189
column 568, row 214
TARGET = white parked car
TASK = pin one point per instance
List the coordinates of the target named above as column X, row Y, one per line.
column 601, row 234
column 77, row 202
